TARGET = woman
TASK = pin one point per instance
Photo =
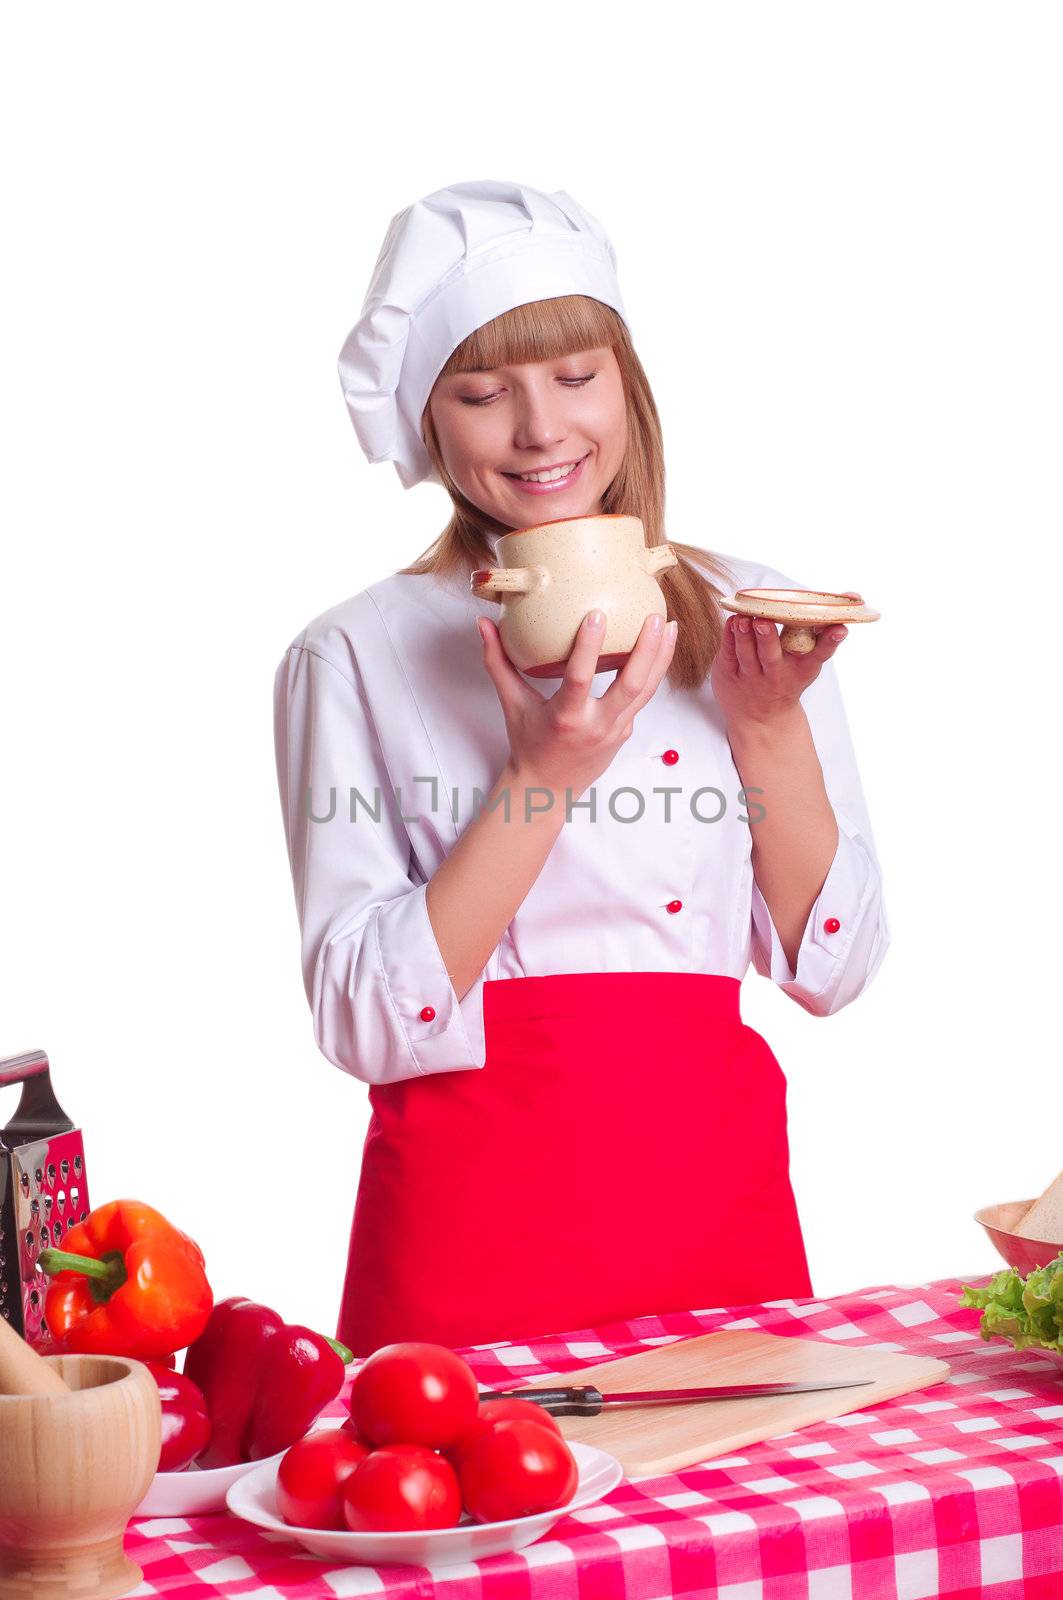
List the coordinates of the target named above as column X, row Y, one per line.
column 525, row 916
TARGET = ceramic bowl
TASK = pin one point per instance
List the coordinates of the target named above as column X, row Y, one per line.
column 201, row 1491
column 254, row 1498
column 1025, row 1255
column 197, row 1491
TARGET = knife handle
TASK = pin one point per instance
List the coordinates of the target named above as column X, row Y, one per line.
column 583, row 1401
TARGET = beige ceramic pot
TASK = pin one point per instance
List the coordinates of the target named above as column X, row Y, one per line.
column 551, row 575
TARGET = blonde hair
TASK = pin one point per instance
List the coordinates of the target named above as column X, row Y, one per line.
column 545, row 330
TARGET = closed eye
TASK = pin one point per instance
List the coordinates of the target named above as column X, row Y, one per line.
column 570, row 383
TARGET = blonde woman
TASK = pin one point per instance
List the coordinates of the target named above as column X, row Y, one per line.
column 526, row 909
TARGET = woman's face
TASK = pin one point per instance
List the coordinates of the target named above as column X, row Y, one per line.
column 492, row 427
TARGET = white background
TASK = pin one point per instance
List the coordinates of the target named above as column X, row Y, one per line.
column 838, row 231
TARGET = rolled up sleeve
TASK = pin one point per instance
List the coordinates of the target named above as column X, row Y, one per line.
column 847, row 932
column 371, row 963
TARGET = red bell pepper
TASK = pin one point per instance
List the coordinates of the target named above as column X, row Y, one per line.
column 185, row 1419
column 265, row 1380
column 127, row 1283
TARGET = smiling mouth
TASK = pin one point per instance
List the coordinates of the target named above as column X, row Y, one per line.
column 551, row 475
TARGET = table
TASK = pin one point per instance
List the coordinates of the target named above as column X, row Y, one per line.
column 953, row 1491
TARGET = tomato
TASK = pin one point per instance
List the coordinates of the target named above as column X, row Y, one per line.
column 516, row 1468
column 499, row 1411
column 401, row 1486
column 414, row 1393
column 311, row 1474
column 186, row 1424
column 518, row 1410
column 348, row 1427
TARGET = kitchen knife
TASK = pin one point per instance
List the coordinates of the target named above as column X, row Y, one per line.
column 587, row 1401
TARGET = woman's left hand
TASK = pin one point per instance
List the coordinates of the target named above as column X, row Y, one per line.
column 755, row 680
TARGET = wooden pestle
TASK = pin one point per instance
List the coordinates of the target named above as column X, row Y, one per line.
column 22, row 1370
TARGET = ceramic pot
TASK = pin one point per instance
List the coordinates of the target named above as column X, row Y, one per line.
column 551, row 575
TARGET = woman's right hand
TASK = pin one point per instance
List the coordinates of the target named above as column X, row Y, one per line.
column 567, row 740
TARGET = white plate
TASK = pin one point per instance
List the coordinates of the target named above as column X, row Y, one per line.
column 253, row 1497
column 196, row 1491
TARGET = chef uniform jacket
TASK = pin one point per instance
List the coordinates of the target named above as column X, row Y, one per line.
column 386, row 695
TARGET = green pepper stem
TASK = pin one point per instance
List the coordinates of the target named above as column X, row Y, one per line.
column 345, row 1355
column 105, row 1274
column 63, row 1261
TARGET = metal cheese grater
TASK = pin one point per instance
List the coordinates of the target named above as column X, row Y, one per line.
column 43, row 1192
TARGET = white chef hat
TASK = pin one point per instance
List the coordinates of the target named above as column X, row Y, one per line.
column 449, row 263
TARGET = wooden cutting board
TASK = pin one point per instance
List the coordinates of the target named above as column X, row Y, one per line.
column 652, row 1439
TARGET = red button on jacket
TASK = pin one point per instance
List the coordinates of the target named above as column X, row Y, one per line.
column 675, row 905
column 831, row 925
column 671, row 756
column 427, row 1013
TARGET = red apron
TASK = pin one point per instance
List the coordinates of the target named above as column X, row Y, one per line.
column 622, row 1152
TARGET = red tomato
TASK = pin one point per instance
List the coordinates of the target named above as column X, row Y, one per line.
column 311, row 1474
column 401, row 1486
column 499, row 1411
column 186, row 1424
column 348, row 1426
column 414, row 1393
column 517, row 1411
column 514, row 1469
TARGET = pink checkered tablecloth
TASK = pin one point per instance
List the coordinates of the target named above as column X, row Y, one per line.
column 953, row 1491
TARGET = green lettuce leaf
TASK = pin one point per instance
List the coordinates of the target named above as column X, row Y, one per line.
column 1025, row 1311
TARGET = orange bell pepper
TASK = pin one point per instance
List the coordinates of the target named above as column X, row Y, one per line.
column 126, row 1283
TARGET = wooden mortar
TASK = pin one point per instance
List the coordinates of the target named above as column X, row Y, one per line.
column 79, row 1444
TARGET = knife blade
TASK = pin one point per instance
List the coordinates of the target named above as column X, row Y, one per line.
column 584, row 1400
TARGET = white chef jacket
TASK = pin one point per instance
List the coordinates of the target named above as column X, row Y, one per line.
column 384, row 712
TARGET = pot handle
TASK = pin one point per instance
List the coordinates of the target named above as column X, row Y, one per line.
column 658, row 558
column 494, row 583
